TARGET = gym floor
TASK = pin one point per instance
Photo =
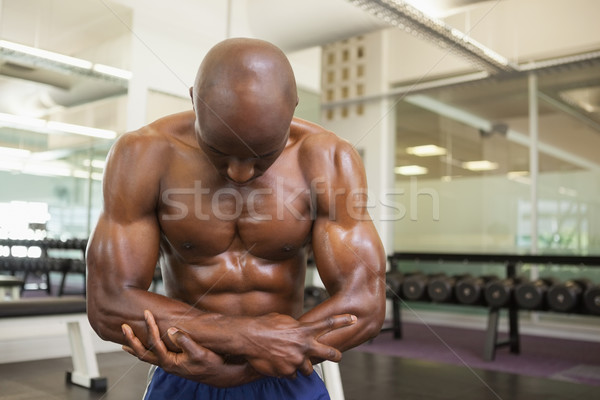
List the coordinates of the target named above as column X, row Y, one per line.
column 364, row 376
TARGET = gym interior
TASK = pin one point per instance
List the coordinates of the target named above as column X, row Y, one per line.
column 478, row 123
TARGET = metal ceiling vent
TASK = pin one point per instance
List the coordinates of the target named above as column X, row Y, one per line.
column 404, row 16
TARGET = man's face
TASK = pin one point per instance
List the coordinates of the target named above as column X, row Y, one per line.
column 239, row 155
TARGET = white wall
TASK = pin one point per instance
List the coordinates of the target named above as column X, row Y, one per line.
column 372, row 132
column 169, row 41
column 521, row 30
column 524, row 30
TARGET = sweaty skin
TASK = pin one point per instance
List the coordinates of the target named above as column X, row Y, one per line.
column 230, row 197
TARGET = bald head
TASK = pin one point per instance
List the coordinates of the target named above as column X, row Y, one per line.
column 244, row 97
column 236, row 62
column 248, row 85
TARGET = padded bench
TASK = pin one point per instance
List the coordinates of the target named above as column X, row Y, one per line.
column 10, row 287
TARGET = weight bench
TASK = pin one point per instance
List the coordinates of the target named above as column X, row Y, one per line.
column 10, row 287
column 72, row 311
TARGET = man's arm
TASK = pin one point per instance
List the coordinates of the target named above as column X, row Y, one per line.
column 121, row 258
column 123, row 250
column 347, row 250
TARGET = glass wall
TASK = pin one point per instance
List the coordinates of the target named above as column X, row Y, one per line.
column 51, row 179
column 62, row 104
column 463, row 169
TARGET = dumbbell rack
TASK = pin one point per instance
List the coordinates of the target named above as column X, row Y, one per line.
column 45, row 264
column 511, row 262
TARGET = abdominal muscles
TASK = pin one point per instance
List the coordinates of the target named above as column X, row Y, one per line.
column 232, row 285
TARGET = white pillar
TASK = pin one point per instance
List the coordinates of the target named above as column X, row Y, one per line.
column 533, row 173
column 137, row 94
column 533, row 159
column 386, row 150
column 372, row 129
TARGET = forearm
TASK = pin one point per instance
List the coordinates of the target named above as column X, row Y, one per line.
column 369, row 310
column 109, row 311
column 191, row 361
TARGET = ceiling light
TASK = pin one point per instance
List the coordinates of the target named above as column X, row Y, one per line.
column 427, row 150
column 519, row 176
column 43, row 126
column 46, row 169
column 79, row 173
column 410, row 170
column 13, row 49
column 48, row 55
column 116, row 72
column 449, row 178
column 13, row 152
column 81, row 130
column 21, row 121
column 100, row 164
column 483, row 165
column 567, row 192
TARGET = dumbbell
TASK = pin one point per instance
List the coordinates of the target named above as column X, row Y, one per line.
column 12, row 264
column 314, row 296
column 470, row 290
column 414, row 287
column 591, row 299
column 531, row 295
column 441, row 288
column 58, row 264
column 500, row 293
column 567, row 296
column 49, row 243
column 394, row 280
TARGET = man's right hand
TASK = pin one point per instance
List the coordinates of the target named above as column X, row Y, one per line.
column 192, row 361
column 273, row 345
column 278, row 345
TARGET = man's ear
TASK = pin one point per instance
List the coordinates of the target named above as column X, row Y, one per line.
column 192, row 97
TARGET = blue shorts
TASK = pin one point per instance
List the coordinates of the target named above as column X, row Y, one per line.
column 165, row 386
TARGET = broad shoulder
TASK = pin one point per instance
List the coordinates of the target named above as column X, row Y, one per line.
column 138, row 161
column 154, row 141
column 323, row 153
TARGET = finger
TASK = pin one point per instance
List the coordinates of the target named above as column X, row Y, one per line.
column 154, row 338
column 263, row 367
column 184, row 342
column 136, row 347
column 324, row 352
column 132, row 341
column 157, row 345
column 149, row 356
column 332, row 323
column 306, row 368
column 152, row 329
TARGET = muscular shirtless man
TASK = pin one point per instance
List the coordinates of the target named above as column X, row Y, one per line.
column 230, row 197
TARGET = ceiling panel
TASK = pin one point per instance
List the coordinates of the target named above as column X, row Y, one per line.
column 63, row 26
